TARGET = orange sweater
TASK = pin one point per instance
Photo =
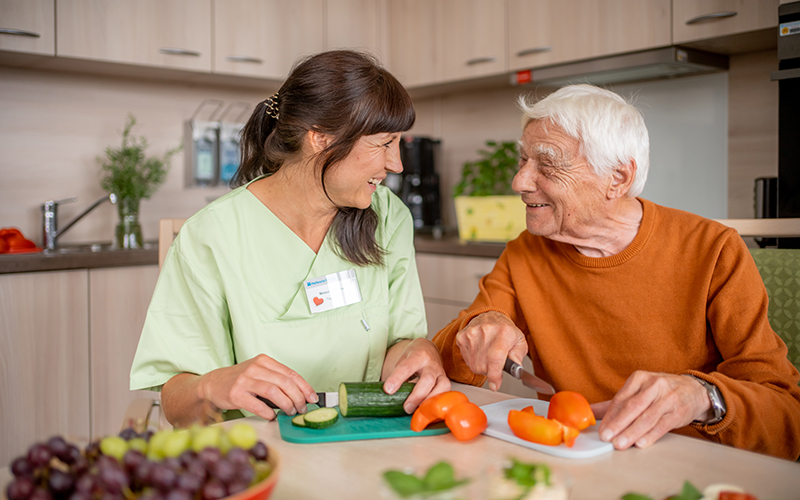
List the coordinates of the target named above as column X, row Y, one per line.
column 684, row 297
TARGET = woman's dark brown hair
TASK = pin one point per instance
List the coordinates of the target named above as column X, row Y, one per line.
column 341, row 93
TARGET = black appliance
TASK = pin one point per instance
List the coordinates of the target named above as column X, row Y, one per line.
column 766, row 205
column 788, row 77
column 418, row 185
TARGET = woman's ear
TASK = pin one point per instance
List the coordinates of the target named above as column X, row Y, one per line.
column 318, row 141
column 622, row 180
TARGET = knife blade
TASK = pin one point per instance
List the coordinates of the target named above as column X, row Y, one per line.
column 326, row 400
column 528, row 379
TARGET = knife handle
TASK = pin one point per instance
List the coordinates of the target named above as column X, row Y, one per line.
column 268, row 402
column 512, row 368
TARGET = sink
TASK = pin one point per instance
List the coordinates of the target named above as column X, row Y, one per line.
column 95, row 247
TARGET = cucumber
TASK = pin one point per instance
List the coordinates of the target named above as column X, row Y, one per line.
column 299, row 421
column 367, row 399
column 321, row 418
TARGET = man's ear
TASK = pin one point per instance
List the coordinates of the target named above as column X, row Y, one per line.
column 622, row 180
column 318, row 141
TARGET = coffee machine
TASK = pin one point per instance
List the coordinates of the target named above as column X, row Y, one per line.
column 418, row 185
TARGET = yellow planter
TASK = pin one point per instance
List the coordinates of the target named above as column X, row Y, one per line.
column 490, row 218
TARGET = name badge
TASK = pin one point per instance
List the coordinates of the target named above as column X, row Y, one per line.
column 332, row 291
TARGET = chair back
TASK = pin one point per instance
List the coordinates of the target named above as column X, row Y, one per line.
column 780, row 270
column 167, row 230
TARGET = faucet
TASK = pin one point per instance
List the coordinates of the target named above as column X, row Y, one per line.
column 50, row 218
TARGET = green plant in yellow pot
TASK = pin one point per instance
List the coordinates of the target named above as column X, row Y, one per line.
column 487, row 209
column 132, row 177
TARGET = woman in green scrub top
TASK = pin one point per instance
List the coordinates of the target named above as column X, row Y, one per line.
column 303, row 276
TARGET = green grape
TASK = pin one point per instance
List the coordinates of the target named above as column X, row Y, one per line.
column 138, row 444
column 206, row 437
column 224, row 443
column 243, row 436
column 155, row 449
column 114, row 446
column 177, row 443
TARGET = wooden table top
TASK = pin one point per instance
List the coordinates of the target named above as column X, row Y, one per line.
column 353, row 470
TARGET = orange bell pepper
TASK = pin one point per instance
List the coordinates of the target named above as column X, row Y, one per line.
column 571, row 408
column 537, row 429
column 466, row 421
column 435, row 409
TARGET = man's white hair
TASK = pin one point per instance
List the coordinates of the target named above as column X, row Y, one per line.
column 611, row 131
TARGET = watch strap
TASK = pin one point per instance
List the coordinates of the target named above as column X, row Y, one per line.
column 718, row 406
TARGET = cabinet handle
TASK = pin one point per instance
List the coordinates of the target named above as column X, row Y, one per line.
column 246, row 59
column 535, row 50
column 715, row 16
column 10, row 31
column 481, row 60
column 179, row 52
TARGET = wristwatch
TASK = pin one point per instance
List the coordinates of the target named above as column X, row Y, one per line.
column 717, row 402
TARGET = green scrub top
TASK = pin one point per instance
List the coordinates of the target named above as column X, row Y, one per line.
column 231, row 288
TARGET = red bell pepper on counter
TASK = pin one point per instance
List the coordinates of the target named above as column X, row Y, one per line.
column 12, row 241
column 464, row 419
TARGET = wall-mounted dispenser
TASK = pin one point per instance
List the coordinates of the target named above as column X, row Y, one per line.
column 202, row 146
column 229, row 137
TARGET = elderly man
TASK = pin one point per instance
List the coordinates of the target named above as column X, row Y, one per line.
column 657, row 316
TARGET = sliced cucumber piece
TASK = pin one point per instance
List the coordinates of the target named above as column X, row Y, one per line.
column 321, row 418
column 299, row 421
column 367, row 399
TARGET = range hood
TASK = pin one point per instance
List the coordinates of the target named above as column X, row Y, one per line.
column 668, row 62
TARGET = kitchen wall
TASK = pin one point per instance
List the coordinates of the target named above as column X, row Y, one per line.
column 54, row 125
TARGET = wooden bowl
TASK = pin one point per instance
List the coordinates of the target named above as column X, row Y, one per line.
column 262, row 490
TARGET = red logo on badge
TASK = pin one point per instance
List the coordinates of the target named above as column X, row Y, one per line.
column 318, row 301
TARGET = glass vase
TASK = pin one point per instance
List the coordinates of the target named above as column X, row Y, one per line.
column 128, row 233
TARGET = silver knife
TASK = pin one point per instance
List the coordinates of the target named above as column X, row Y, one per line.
column 528, row 379
column 326, row 400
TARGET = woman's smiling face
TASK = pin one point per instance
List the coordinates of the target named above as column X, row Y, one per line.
column 562, row 193
column 352, row 181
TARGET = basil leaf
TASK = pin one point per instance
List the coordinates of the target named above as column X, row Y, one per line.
column 439, row 476
column 635, row 496
column 689, row 492
column 404, row 484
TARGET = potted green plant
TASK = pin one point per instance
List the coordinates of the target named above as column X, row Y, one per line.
column 132, row 177
column 487, row 209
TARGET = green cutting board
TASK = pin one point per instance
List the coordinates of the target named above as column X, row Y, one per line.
column 354, row 429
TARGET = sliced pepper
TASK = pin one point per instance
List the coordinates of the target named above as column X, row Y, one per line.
column 435, row 409
column 537, row 429
column 571, row 408
column 466, row 421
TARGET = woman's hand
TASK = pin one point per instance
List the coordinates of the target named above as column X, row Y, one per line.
column 237, row 387
column 487, row 341
column 648, row 406
column 420, row 358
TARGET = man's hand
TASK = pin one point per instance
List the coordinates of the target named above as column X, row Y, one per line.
column 487, row 341
column 417, row 358
column 648, row 406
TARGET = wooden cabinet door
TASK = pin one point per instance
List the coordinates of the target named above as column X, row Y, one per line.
column 359, row 25
column 264, row 38
column 545, row 32
column 44, row 359
column 414, row 41
column 701, row 19
column 28, row 26
column 165, row 33
column 473, row 38
column 118, row 298
column 452, row 277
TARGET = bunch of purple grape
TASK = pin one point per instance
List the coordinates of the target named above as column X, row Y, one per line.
column 58, row 470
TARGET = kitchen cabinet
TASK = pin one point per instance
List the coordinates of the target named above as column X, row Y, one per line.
column 358, row 24
column 44, row 359
column 435, row 41
column 118, row 302
column 264, row 38
column 547, row 32
column 163, row 33
column 701, row 19
column 28, row 26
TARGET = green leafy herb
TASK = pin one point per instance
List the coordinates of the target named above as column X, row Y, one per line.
column 688, row 492
column 126, row 171
column 440, row 477
column 492, row 173
column 528, row 475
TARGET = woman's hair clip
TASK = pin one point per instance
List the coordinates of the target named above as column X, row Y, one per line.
column 271, row 103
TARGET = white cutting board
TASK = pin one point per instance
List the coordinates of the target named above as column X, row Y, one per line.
column 587, row 444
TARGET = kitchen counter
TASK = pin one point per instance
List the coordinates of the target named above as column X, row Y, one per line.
column 79, row 257
column 451, row 245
